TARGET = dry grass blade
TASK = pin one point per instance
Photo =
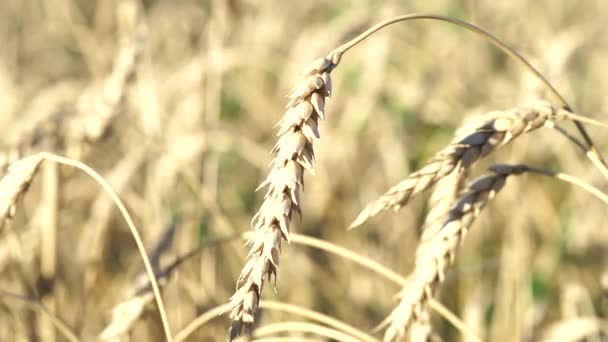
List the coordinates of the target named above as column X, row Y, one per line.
column 503, row 128
column 293, row 153
column 15, row 183
column 437, row 249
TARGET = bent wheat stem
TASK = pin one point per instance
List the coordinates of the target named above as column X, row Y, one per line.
column 591, row 151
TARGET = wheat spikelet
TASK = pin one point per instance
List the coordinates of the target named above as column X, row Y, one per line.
column 15, row 183
column 421, row 330
column 437, row 248
column 293, row 153
column 443, row 198
column 504, row 127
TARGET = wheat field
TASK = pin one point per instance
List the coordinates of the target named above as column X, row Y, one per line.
column 253, row 171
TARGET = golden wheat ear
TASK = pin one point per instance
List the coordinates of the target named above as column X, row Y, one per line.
column 293, row 153
column 504, row 127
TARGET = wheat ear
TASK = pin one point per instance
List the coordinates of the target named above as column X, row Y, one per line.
column 441, row 201
column 437, row 248
column 15, row 183
column 293, row 153
column 501, row 129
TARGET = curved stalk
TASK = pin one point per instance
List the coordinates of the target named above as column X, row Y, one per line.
column 591, row 151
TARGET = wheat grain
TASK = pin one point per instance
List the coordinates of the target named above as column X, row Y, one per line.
column 293, row 153
column 501, row 129
column 437, row 249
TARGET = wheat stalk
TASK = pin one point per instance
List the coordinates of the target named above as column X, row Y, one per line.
column 437, row 249
column 293, row 153
column 481, row 141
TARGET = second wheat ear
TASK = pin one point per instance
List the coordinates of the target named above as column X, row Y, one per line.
column 294, row 153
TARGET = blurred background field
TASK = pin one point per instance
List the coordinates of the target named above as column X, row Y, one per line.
column 184, row 137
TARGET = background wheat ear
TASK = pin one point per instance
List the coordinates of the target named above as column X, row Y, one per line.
column 15, row 183
column 437, row 248
column 293, row 153
column 480, row 141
